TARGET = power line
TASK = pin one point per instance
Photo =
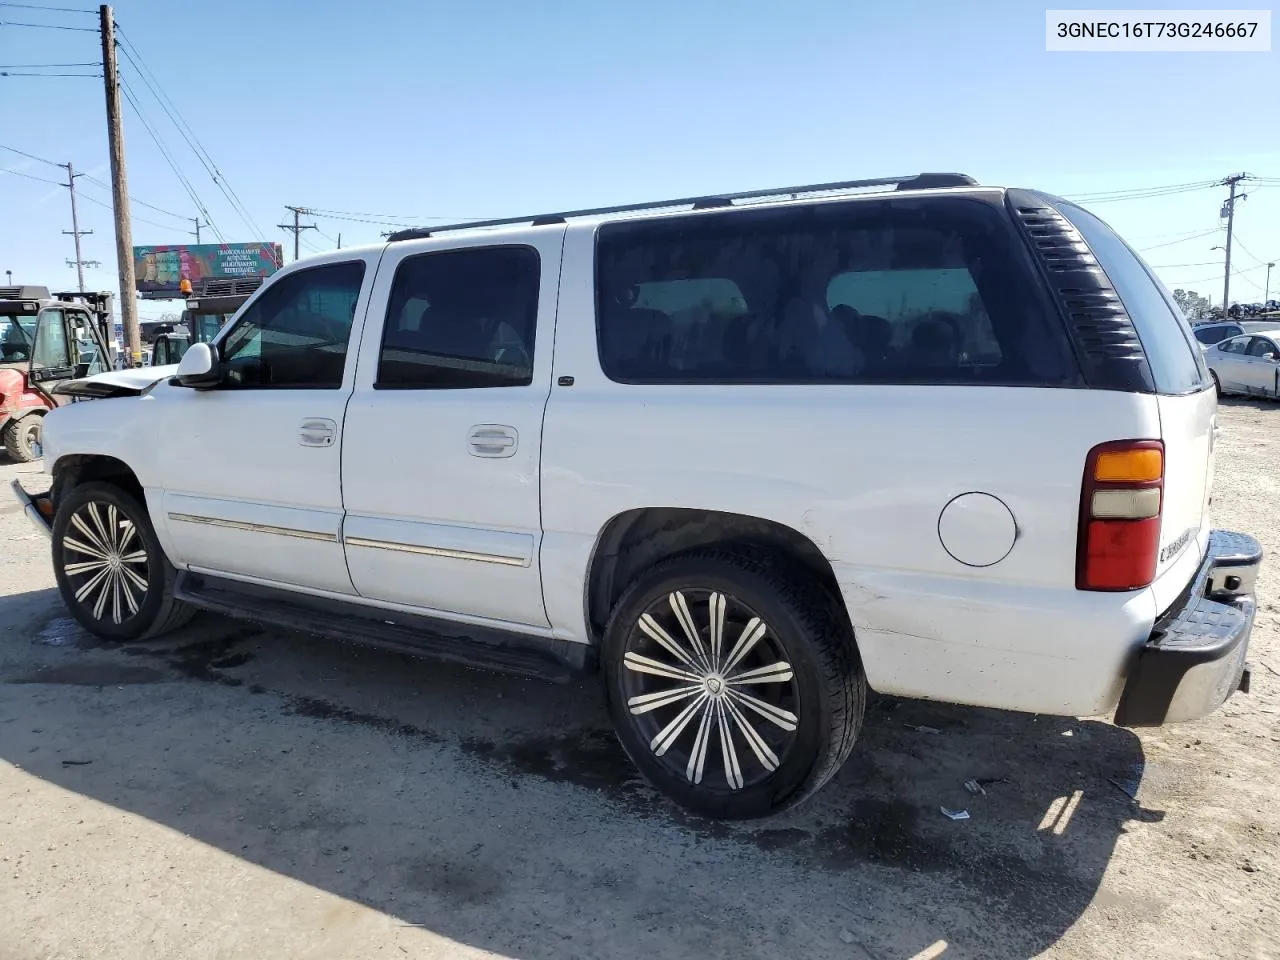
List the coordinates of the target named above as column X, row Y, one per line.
column 143, row 203
column 1168, row 266
column 166, row 103
column 32, row 6
column 177, row 172
column 46, row 66
column 44, row 26
column 29, row 156
column 1174, row 243
column 1141, row 193
column 20, row 73
column 152, row 223
column 32, row 176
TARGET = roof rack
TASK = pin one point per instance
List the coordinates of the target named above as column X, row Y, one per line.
column 918, row 181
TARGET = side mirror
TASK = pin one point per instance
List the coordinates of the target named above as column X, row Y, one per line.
column 199, row 368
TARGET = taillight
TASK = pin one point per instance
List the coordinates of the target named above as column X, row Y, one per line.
column 1120, row 503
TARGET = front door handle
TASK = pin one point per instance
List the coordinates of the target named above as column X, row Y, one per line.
column 317, row 432
column 492, row 440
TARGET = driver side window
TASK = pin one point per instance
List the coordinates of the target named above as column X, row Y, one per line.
column 296, row 334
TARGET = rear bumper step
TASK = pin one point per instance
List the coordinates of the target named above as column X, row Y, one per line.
column 1195, row 657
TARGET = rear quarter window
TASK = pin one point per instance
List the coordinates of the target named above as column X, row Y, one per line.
column 1176, row 364
column 888, row 292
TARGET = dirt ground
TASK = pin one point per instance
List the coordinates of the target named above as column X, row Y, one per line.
column 234, row 792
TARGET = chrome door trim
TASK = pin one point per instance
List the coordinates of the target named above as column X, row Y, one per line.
column 506, row 560
column 255, row 527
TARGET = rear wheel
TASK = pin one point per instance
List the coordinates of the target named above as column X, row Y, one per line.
column 21, row 438
column 111, row 570
column 733, row 683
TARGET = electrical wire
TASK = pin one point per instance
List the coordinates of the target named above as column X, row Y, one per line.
column 19, row 73
column 32, row 176
column 46, row 66
column 46, row 26
column 1142, row 193
column 32, row 6
column 132, row 216
column 173, row 165
column 1174, row 243
column 170, row 108
column 133, row 199
column 29, row 156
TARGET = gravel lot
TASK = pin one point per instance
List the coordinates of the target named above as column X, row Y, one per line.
column 234, row 792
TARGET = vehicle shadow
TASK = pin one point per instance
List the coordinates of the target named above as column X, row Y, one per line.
column 501, row 812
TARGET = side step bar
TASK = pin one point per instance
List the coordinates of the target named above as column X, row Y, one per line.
column 557, row 661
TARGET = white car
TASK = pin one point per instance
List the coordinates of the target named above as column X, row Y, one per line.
column 747, row 455
column 1247, row 364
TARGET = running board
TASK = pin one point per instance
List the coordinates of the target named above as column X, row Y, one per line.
column 557, row 661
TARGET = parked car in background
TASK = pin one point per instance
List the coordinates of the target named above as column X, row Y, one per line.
column 913, row 435
column 1247, row 364
column 1215, row 331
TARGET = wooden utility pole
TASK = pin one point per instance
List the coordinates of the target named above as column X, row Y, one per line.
column 120, row 191
column 1230, row 207
column 196, row 221
column 75, row 230
column 297, row 227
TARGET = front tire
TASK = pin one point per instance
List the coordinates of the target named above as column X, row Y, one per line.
column 21, row 438
column 111, row 570
column 1217, row 385
column 733, row 682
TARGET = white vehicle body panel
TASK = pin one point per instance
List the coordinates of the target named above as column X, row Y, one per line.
column 863, row 472
column 441, row 527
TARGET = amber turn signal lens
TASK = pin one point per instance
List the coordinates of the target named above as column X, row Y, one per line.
column 1129, row 466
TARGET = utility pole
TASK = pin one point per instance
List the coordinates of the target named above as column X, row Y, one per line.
column 75, row 230
column 196, row 232
column 1229, row 211
column 120, row 191
column 340, row 245
column 296, row 228
column 1266, row 293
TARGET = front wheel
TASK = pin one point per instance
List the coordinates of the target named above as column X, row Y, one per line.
column 1217, row 386
column 733, row 682
column 22, row 437
column 111, row 570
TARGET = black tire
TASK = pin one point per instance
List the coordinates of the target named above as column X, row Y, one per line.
column 21, row 437
column 1217, row 387
column 116, row 609
column 822, row 687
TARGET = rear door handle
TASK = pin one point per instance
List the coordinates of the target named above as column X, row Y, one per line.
column 317, row 432
column 493, row 440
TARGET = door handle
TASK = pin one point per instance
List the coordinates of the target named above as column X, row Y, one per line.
column 317, row 432
column 493, row 440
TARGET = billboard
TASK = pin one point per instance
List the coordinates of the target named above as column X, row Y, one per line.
column 160, row 269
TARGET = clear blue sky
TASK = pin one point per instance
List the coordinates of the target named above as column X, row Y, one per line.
column 500, row 107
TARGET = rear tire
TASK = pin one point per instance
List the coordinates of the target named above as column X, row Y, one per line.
column 111, row 570
column 1217, row 386
column 21, row 437
column 743, row 719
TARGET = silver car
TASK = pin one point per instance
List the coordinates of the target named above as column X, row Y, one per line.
column 1248, row 364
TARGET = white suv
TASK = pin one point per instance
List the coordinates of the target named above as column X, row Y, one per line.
column 748, row 455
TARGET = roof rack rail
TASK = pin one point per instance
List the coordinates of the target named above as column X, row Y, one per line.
column 918, row 181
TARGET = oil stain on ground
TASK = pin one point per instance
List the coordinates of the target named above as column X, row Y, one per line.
column 93, row 675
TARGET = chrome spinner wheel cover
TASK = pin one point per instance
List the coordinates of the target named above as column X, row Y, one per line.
column 111, row 578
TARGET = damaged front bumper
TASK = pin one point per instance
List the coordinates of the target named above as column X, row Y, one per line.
column 37, row 507
column 1195, row 657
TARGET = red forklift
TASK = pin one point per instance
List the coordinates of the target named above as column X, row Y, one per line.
column 46, row 339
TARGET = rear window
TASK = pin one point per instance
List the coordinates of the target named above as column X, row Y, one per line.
column 1176, row 364
column 839, row 293
column 1215, row 334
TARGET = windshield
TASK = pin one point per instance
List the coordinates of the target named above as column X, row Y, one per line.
column 16, row 337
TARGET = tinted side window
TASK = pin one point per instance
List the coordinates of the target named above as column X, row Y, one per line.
column 1211, row 334
column 1161, row 328
column 897, row 292
column 461, row 318
column 1234, row 346
column 295, row 334
column 1260, row 347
